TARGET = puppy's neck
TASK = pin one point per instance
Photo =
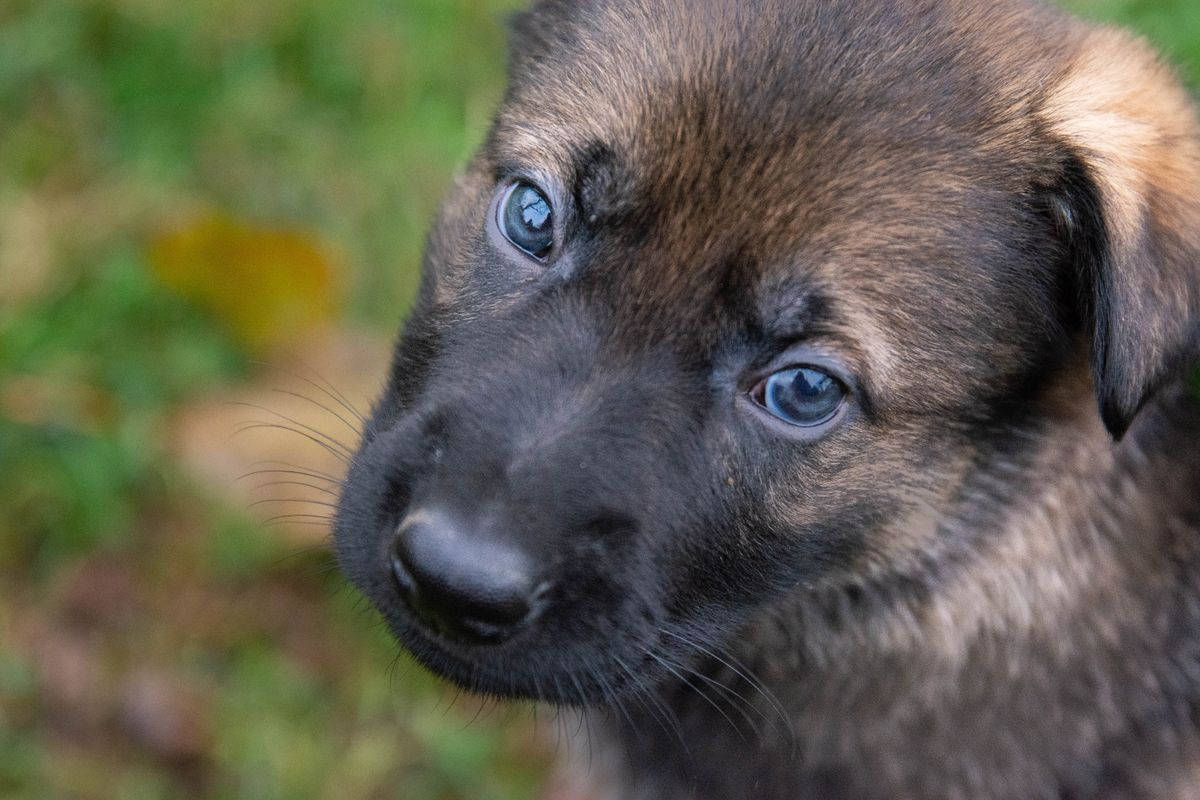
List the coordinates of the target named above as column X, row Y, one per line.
column 1090, row 531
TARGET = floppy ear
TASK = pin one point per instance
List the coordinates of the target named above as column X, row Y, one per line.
column 1132, row 207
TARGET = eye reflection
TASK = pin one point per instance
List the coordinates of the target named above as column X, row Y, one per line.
column 802, row 396
column 527, row 219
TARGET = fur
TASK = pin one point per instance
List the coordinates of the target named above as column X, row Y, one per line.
column 984, row 581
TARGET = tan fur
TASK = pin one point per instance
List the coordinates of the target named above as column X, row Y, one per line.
column 1121, row 104
column 982, row 580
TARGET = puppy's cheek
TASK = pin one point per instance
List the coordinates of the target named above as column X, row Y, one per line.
column 820, row 525
column 880, row 506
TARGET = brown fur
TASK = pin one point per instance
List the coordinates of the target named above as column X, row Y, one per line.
column 986, row 583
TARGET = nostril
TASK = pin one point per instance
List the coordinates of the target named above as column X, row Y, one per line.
column 472, row 590
column 401, row 576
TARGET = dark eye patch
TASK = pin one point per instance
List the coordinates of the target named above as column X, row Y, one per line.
column 598, row 189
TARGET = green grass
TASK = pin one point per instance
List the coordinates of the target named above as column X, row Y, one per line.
column 345, row 119
column 1173, row 25
column 124, row 119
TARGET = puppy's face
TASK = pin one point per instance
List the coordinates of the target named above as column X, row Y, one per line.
column 717, row 315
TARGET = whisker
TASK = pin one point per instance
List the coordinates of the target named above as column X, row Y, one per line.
column 303, row 551
column 393, row 670
column 316, row 527
column 612, row 697
column 743, row 672
column 313, row 486
column 559, row 729
column 319, row 433
column 304, row 500
column 328, row 389
column 332, row 391
column 453, row 701
column 752, row 714
column 738, row 702
column 321, row 570
column 699, row 692
column 584, row 720
column 327, row 442
column 291, row 469
column 533, row 707
column 664, row 717
column 669, row 715
column 743, row 703
column 478, row 712
column 353, row 428
column 299, row 518
column 340, row 454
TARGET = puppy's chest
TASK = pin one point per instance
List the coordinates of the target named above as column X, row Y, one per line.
column 887, row 729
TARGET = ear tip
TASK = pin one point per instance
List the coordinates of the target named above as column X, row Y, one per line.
column 1117, row 412
column 1116, row 421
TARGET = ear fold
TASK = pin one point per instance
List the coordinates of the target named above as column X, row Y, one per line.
column 1133, row 194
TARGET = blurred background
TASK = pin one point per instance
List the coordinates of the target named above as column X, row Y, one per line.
column 211, row 218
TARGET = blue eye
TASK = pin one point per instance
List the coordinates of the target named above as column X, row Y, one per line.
column 802, row 396
column 527, row 220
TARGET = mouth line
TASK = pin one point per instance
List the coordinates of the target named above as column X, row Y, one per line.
column 517, row 672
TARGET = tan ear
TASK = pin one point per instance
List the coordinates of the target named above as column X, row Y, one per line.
column 1131, row 127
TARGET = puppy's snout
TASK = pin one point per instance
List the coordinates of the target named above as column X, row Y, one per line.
column 474, row 590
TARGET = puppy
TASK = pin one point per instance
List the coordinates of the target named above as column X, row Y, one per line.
column 804, row 383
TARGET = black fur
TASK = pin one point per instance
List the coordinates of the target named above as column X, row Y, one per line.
column 962, row 588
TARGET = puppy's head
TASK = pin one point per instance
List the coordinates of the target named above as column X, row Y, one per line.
column 738, row 299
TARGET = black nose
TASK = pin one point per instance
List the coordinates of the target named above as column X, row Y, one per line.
column 466, row 588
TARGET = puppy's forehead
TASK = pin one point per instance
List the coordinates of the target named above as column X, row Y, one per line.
column 867, row 150
column 667, row 81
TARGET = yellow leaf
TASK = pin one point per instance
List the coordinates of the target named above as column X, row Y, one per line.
column 269, row 286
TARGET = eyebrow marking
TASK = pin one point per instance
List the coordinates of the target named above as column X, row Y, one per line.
column 597, row 181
